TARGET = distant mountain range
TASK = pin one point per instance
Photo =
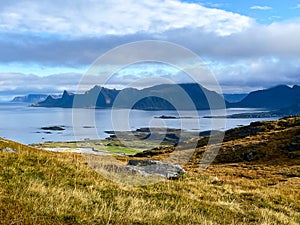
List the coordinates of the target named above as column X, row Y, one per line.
column 292, row 110
column 279, row 100
column 31, row 98
column 159, row 97
column 278, row 97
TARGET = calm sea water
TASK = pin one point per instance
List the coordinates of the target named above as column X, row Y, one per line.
column 22, row 123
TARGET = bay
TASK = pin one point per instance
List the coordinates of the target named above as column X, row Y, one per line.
column 22, row 123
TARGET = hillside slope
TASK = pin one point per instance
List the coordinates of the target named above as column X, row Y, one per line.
column 40, row 187
column 278, row 97
column 260, row 142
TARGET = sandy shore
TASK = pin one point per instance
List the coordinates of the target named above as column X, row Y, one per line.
column 78, row 150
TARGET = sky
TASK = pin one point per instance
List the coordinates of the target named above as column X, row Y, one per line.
column 46, row 46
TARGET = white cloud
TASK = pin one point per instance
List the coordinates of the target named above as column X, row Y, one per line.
column 13, row 83
column 277, row 39
column 102, row 17
column 297, row 6
column 259, row 7
column 234, row 76
column 245, row 49
column 252, row 74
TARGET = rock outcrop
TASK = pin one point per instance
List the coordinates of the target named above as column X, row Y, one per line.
column 8, row 150
column 152, row 167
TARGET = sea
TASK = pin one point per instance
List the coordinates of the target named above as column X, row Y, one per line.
column 22, row 123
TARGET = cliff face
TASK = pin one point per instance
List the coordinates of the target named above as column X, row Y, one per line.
column 66, row 101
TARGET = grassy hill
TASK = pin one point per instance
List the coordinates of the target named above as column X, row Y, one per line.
column 40, row 187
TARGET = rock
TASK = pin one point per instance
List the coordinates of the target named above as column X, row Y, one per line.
column 253, row 155
column 166, row 117
column 152, row 167
column 109, row 132
column 108, row 144
column 9, row 150
column 172, row 136
column 52, row 128
column 216, row 179
column 257, row 124
column 143, row 129
column 249, row 156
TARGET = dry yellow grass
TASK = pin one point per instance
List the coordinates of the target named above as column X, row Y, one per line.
column 39, row 187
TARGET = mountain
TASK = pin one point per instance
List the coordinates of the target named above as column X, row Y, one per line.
column 281, row 100
column 97, row 97
column 159, row 97
column 292, row 110
column 31, row 98
column 65, row 101
column 232, row 98
column 278, row 97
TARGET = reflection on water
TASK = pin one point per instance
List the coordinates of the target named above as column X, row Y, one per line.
column 22, row 123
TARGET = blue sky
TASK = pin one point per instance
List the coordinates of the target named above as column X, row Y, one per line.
column 48, row 45
column 264, row 11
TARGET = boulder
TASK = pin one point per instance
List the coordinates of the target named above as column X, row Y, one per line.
column 8, row 150
column 152, row 167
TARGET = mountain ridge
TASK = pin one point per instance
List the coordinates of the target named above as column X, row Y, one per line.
column 188, row 96
column 285, row 96
column 159, row 97
column 30, row 98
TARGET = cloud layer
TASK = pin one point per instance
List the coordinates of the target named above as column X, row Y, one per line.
column 109, row 17
column 239, row 51
column 276, row 40
column 20, row 84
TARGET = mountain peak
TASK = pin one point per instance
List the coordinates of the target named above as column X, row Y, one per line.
column 67, row 93
column 96, row 87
